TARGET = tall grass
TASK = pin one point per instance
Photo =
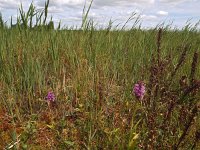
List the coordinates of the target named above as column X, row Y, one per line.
column 92, row 73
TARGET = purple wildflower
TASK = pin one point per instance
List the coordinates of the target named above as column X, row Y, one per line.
column 50, row 97
column 139, row 90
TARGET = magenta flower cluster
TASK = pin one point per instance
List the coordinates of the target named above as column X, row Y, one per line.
column 50, row 97
column 139, row 90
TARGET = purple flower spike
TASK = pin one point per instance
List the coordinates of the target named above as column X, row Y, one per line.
column 139, row 90
column 50, row 97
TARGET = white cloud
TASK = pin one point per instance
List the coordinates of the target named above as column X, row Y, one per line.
column 121, row 2
column 152, row 11
column 174, row 1
column 54, row 9
column 61, row 3
column 148, row 17
column 66, row 2
column 96, row 3
column 9, row 4
column 162, row 13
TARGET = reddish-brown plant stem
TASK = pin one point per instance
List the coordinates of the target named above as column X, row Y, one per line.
column 187, row 126
column 194, row 67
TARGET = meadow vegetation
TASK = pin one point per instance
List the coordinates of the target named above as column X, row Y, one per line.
column 92, row 74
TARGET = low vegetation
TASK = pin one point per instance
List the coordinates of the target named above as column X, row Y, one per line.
column 98, row 89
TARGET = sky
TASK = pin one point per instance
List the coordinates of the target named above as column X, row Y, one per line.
column 176, row 13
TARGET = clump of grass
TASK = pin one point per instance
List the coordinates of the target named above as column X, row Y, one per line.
column 163, row 101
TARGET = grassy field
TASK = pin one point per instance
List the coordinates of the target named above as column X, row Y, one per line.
column 92, row 74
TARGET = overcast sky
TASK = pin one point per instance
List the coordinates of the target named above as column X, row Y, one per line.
column 152, row 12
